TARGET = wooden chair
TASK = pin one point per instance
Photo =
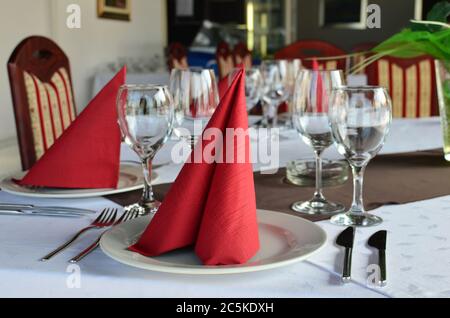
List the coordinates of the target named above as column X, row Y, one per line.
column 311, row 48
column 411, row 83
column 42, row 94
column 224, row 59
column 177, row 57
column 242, row 55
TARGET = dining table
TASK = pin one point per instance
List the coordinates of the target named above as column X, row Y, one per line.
column 407, row 184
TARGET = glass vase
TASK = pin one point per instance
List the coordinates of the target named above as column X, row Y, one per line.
column 443, row 88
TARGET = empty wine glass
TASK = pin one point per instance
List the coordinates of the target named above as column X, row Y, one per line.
column 196, row 98
column 293, row 68
column 310, row 118
column 360, row 118
column 254, row 85
column 275, row 88
column 146, row 116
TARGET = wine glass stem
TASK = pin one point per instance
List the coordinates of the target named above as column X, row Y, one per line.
column 358, row 182
column 318, row 195
column 147, row 196
column 275, row 115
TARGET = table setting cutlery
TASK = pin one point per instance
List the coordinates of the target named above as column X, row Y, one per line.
column 126, row 216
column 105, row 219
column 56, row 209
column 379, row 241
column 346, row 239
column 43, row 213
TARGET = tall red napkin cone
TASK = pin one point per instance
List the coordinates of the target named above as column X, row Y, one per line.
column 211, row 206
column 320, row 95
column 87, row 155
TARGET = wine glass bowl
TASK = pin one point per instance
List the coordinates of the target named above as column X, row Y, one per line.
column 145, row 116
column 196, row 98
column 360, row 119
column 276, row 85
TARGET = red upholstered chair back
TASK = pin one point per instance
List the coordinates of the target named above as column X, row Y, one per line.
column 411, row 83
column 42, row 93
column 312, row 48
column 224, row 59
column 177, row 57
column 242, row 55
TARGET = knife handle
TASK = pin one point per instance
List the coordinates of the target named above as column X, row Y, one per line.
column 383, row 271
column 347, row 273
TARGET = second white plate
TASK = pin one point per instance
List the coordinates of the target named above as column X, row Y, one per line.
column 130, row 178
column 285, row 239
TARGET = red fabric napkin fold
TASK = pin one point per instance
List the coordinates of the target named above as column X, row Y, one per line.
column 87, row 155
column 211, row 206
column 320, row 93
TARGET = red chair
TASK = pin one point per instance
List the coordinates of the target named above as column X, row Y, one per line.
column 242, row 55
column 42, row 94
column 309, row 49
column 411, row 83
column 177, row 57
column 224, row 59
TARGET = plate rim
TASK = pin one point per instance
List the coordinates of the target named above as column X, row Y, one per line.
column 211, row 270
column 93, row 194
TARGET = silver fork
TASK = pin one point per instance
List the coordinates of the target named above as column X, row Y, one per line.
column 105, row 219
column 127, row 216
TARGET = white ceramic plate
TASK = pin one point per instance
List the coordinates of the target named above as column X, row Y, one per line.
column 131, row 178
column 285, row 240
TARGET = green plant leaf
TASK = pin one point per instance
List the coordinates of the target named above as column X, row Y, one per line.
column 409, row 44
column 439, row 13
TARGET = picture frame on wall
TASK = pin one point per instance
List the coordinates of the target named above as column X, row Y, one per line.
column 114, row 9
column 343, row 14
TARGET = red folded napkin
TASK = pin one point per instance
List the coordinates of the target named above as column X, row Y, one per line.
column 87, row 155
column 321, row 94
column 211, row 206
column 225, row 83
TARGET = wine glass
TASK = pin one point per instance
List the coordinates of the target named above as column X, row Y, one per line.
column 146, row 116
column 275, row 88
column 360, row 118
column 310, row 118
column 293, row 68
column 254, row 85
column 196, row 97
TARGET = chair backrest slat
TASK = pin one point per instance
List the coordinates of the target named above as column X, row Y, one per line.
column 411, row 83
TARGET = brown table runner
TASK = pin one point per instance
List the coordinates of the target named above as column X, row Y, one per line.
column 389, row 179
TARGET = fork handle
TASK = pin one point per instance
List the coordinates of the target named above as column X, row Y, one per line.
column 66, row 245
column 86, row 252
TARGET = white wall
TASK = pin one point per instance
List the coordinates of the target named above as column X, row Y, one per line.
column 18, row 19
column 98, row 42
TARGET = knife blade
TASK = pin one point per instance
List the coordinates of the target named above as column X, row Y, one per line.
column 40, row 213
column 44, row 208
column 346, row 240
column 379, row 242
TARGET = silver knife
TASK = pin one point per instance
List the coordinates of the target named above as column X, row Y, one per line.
column 346, row 240
column 378, row 241
column 44, row 208
column 40, row 213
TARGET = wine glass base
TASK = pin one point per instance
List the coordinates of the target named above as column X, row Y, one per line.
column 317, row 207
column 360, row 220
column 143, row 209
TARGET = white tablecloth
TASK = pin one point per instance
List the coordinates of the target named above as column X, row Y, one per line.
column 418, row 250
